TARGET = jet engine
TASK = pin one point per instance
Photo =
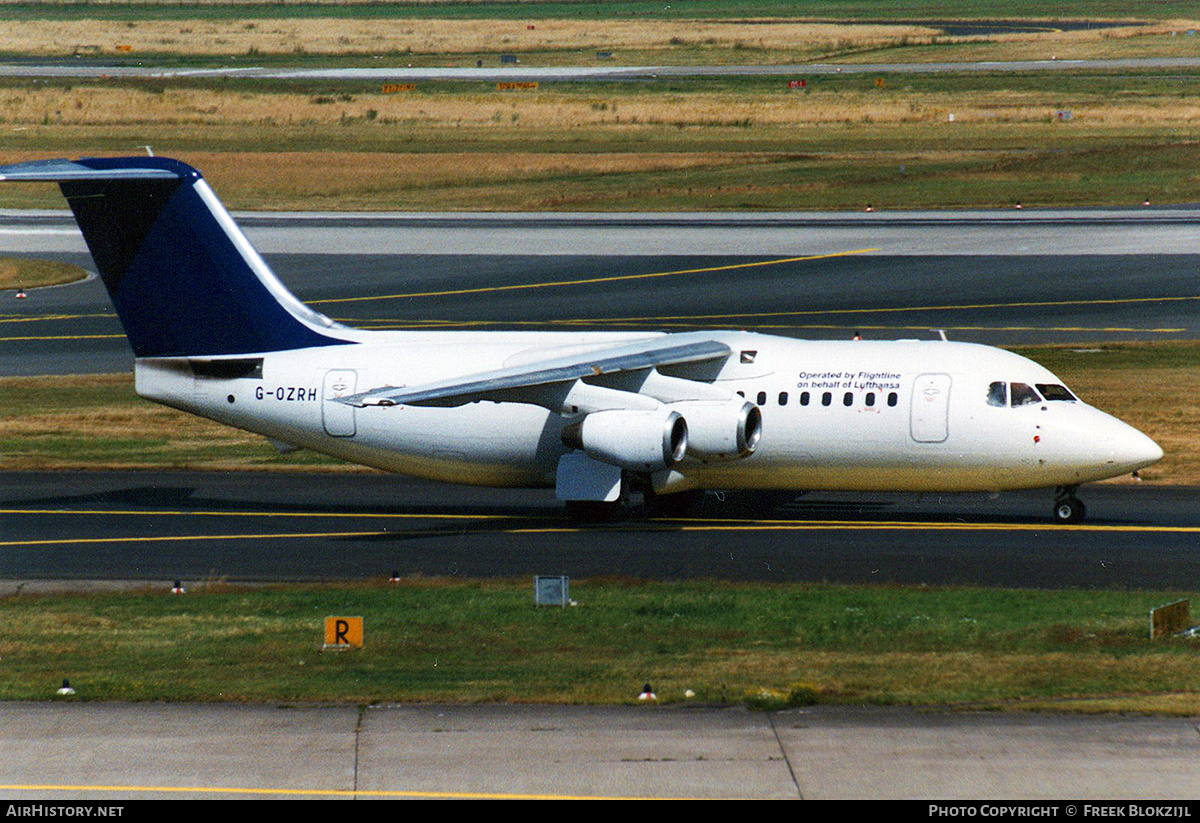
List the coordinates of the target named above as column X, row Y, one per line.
column 642, row 440
column 720, row 430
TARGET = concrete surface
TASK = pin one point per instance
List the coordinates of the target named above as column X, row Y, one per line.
column 87, row 751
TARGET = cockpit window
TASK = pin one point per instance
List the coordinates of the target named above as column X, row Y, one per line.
column 998, row 394
column 1023, row 394
column 1053, row 391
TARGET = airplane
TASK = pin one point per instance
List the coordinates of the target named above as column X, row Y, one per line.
column 600, row 417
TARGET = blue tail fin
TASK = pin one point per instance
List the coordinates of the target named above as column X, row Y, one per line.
column 184, row 279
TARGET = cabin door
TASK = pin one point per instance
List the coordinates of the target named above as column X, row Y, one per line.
column 930, row 420
column 338, row 417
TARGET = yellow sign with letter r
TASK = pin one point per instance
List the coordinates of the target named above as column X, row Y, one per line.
column 343, row 632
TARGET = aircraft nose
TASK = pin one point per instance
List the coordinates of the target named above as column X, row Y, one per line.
column 1131, row 450
column 1148, row 452
column 1099, row 445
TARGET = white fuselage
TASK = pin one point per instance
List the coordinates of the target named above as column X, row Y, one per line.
column 852, row 415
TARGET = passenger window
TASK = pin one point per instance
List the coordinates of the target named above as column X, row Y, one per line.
column 848, row 399
column 1053, row 391
column 998, row 394
column 893, row 398
column 762, row 398
column 870, row 398
column 1023, row 395
column 826, row 398
column 804, row 398
column 783, row 398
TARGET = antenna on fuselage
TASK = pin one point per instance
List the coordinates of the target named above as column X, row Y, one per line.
column 942, row 335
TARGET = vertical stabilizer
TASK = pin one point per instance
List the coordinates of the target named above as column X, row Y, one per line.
column 184, row 279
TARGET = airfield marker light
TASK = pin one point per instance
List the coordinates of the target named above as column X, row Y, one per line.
column 178, row 588
column 20, row 294
column 647, row 693
column 65, row 690
column 395, row 578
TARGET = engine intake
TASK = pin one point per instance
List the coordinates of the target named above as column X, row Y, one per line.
column 721, row 430
column 642, row 440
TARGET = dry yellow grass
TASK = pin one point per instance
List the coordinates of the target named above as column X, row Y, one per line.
column 25, row 273
column 450, row 37
column 1172, row 419
column 508, row 111
column 1159, row 39
column 787, row 40
column 345, row 180
column 107, row 426
column 373, row 180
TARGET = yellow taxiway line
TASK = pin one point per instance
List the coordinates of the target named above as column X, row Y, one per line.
column 211, row 790
column 592, row 280
column 681, row 525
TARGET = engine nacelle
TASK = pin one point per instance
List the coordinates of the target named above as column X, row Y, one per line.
column 720, row 430
column 641, row 440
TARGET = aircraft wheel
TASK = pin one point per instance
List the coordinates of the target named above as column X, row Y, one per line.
column 1069, row 510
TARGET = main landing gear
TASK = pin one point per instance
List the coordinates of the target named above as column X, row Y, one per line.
column 677, row 504
column 1067, row 507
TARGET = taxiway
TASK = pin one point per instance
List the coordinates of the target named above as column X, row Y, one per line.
column 158, row 527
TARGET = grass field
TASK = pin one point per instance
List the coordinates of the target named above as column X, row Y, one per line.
column 26, row 273
column 107, row 426
column 570, row 40
column 605, row 9
column 767, row 646
column 841, row 142
column 444, row 40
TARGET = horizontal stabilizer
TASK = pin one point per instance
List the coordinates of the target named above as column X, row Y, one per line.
column 66, row 171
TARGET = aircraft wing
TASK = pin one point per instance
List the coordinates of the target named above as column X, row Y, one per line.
column 512, row 383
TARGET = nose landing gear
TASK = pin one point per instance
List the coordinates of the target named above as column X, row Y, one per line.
column 1067, row 507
